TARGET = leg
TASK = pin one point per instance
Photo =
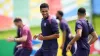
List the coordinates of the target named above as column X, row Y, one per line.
column 82, row 52
column 64, row 51
column 39, row 53
column 15, row 49
column 25, row 52
column 17, row 53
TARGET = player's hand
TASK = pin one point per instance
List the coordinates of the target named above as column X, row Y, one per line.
column 40, row 37
column 62, row 46
column 10, row 39
column 19, row 46
column 35, row 36
column 69, row 46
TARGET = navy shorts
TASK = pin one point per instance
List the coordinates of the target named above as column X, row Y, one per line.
column 42, row 52
column 23, row 52
column 81, row 52
column 15, row 48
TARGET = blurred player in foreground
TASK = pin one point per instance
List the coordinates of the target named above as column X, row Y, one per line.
column 49, row 35
column 66, row 34
column 83, row 29
column 25, row 48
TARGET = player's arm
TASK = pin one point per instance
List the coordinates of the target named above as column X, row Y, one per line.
column 54, row 36
column 24, row 36
column 78, row 33
column 77, row 36
column 94, row 38
column 21, row 39
column 55, row 30
column 63, row 37
column 63, row 29
column 36, row 36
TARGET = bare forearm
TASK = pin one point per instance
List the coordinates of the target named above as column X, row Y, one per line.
column 21, row 39
column 63, row 40
column 74, row 39
column 63, row 37
column 18, row 40
column 92, row 41
column 94, row 37
column 54, row 36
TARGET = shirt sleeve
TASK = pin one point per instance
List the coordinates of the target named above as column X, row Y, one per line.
column 54, row 26
column 91, row 28
column 62, row 27
column 25, row 31
column 78, row 25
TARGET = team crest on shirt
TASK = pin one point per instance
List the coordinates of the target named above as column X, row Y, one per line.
column 44, row 24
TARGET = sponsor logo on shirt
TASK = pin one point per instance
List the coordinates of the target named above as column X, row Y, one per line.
column 44, row 24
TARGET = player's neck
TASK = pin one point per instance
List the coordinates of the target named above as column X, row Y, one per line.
column 45, row 17
column 82, row 17
column 60, row 19
column 21, row 25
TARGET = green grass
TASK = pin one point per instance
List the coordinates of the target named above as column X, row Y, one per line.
column 6, row 47
column 96, row 22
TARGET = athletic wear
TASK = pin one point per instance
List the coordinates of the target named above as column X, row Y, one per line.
column 49, row 26
column 27, row 45
column 64, row 27
column 83, row 47
column 23, row 52
column 26, row 31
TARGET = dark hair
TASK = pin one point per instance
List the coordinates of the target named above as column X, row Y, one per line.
column 17, row 20
column 44, row 5
column 81, row 10
column 60, row 12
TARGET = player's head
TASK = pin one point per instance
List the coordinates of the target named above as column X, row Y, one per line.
column 44, row 9
column 59, row 14
column 18, row 22
column 81, row 12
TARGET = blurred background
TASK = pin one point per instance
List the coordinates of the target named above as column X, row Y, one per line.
column 29, row 11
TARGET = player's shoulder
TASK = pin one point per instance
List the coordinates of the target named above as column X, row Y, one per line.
column 26, row 27
column 52, row 19
column 78, row 21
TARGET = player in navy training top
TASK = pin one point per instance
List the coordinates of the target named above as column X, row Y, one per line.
column 66, row 33
column 49, row 35
column 83, row 29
